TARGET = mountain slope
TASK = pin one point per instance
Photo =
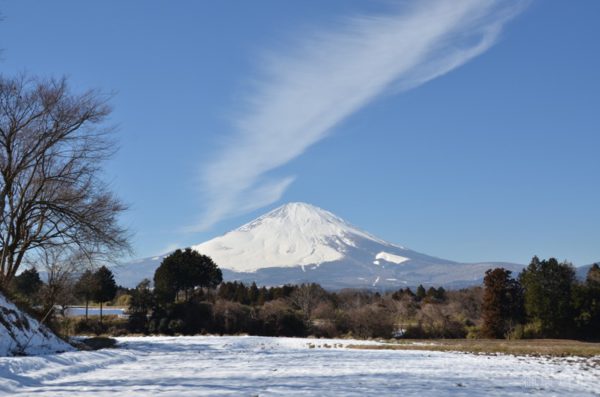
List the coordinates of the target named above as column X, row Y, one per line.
column 299, row 243
column 299, row 234
column 581, row 272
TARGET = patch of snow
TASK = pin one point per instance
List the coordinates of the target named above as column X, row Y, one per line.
column 386, row 256
column 391, row 279
column 376, row 262
column 376, row 281
column 22, row 334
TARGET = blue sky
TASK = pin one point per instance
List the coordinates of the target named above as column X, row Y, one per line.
column 470, row 133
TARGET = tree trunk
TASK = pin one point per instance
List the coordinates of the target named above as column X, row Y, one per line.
column 100, row 312
column 86, row 308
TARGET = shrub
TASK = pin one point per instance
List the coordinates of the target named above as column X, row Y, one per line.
column 533, row 330
column 110, row 325
column 232, row 318
column 279, row 320
column 371, row 321
column 123, row 300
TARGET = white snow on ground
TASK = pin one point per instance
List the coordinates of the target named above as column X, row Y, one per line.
column 386, row 256
column 22, row 334
column 192, row 366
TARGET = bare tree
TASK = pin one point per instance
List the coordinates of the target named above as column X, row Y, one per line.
column 52, row 146
column 60, row 266
column 306, row 297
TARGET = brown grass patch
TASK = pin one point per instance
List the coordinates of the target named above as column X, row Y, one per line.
column 530, row 347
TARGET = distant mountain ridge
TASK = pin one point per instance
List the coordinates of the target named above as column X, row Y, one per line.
column 299, row 242
column 582, row 271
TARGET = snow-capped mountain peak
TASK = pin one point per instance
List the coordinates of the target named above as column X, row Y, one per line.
column 291, row 235
column 299, row 243
column 310, row 219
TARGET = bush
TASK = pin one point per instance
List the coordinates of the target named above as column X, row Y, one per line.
column 97, row 343
column 324, row 329
column 111, row 325
column 371, row 321
column 137, row 323
column 473, row 332
column 188, row 318
column 279, row 320
column 517, row 332
column 87, row 327
column 533, row 330
column 233, row 318
column 123, row 300
column 176, row 326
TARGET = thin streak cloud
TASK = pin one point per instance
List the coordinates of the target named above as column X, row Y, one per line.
column 304, row 91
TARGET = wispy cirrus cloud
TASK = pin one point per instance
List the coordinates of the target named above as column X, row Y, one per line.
column 304, row 91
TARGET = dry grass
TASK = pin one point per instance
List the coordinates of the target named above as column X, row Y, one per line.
column 531, row 347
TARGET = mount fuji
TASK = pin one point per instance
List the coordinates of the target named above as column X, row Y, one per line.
column 299, row 243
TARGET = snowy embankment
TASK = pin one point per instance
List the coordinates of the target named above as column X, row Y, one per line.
column 21, row 334
column 192, row 366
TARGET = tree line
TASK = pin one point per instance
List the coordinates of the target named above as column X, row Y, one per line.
column 29, row 290
column 190, row 297
column 545, row 300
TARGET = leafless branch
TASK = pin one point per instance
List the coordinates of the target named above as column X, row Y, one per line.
column 52, row 146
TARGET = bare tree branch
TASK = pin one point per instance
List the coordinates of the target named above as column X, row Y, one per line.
column 52, row 146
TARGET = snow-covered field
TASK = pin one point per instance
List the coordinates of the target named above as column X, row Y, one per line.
column 191, row 366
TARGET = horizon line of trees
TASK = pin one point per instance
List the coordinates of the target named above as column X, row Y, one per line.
column 189, row 296
column 546, row 300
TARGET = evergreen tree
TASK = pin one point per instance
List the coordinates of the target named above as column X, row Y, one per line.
column 183, row 271
column 398, row 294
column 85, row 288
column 142, row 301
column 502, row 303
column 440, row 294
column 263, row 296
column 421, row 293
column 225, row 291
column 431, row 292
column 548, row 285
column 586, row 302
column 28, row 284
column 241, row 294
column 593, row 302
column 105, row 287
column 253, row 294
